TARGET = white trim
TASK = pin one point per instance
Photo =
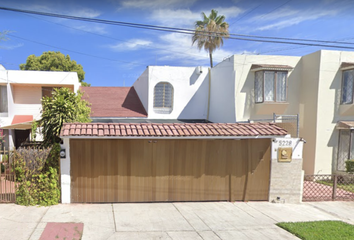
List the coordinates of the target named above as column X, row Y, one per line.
column 172, row 137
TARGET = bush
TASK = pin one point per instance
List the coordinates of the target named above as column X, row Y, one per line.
column 2, row 168
column 350, row 165
column 37, row 176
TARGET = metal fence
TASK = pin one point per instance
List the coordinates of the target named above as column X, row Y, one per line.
column 7, row 178
column 289, row 122
column 328, row 187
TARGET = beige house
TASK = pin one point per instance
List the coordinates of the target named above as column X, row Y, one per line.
column 20, row 100
column 317, row 87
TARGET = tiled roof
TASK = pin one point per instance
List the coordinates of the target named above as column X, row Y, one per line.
column 171, row 129
column 255, row 67
column 114, row 102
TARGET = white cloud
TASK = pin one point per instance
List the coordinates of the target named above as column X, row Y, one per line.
column 172, row 18
column 55, row 7
column 11, row 47
column 93, row 28
column 155, row 4
column 295, row 18
column 179, row 47
column 133, row 44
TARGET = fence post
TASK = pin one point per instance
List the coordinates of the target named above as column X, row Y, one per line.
column 334, row 187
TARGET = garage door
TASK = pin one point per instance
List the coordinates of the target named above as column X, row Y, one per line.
column 169, row 170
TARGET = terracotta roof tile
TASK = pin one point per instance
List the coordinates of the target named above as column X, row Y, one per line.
column 172, row 129
column 114, row 102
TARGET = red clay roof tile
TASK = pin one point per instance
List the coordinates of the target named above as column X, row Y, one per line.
column 171, row 129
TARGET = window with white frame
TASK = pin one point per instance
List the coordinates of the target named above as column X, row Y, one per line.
column 270, row 86
column 347, row 87
column 3, row 101
column 163, row 98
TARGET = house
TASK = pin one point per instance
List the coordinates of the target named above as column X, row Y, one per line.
column 317, row 87
column 21, row 93
column 153, row 142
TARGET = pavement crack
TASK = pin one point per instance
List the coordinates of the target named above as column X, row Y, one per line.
column 114, row 218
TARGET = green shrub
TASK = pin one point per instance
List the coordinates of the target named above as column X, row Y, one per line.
column 37, row 176
column 2, row 168
column 350, row 165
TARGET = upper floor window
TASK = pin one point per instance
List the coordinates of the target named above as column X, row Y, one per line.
column 163, row 98
column 270, row 86
column 3, row 101
column 347, row 87
column 47, row 91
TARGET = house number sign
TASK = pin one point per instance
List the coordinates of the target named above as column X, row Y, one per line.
column 285, row 143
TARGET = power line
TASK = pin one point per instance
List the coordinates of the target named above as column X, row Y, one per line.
column 190, row 31
column 69, row 50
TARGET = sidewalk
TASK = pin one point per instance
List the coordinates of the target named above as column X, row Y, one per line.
column 201, row 220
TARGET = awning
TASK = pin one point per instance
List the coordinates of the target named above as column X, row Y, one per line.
column 345, row 125
column 20, row 122
column 271, row 67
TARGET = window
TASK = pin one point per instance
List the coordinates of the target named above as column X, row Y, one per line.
column 47, row 91
column 163, row 98
column 3, row 101
column 347, row 87
column 345, row 148
column 270, row 86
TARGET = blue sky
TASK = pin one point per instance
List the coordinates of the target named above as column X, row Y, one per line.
column 117, row 56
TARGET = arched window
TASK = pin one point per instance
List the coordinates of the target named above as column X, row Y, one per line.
column 163, row 98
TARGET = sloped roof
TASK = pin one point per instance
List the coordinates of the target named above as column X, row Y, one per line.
column 171, row 129
column 114, row 102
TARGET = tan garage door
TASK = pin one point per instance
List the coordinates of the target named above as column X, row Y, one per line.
column 169, row 170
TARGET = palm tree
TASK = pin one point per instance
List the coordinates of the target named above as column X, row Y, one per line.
column 210, row 32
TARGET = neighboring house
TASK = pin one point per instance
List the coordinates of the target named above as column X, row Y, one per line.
column 318, row 87
column 174, row 92
column 20, row 99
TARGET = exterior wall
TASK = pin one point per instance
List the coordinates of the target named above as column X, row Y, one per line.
column 329, row 110
column 190, row 91
column 246, row 108
column 286, row 178
column 141, row 86
column 65, row 173
column 309, row 107
column 222, row 93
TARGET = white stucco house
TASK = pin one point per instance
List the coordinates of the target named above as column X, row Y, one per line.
column 20, row 99
column 317, row 88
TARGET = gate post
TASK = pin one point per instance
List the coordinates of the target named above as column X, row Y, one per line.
column 334, row 187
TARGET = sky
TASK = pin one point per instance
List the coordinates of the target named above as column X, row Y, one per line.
column 117, row 55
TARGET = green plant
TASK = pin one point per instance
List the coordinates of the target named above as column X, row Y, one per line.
column 37, row 176
column 2, row 168
column 63, row 107
column 350, row 165
column 34, row 130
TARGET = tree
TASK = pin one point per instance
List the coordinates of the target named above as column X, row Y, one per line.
column 63, row 107
column 210, row 33
column 54, row 61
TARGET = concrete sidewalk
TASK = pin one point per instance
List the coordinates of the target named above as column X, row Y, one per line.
column 201, row 220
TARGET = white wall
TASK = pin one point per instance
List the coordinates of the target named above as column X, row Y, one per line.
column 222, row 93
column 65, row 177
column 190, row 91
column 141, row 86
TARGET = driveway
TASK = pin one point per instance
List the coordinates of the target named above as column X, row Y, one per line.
column 201, row 220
